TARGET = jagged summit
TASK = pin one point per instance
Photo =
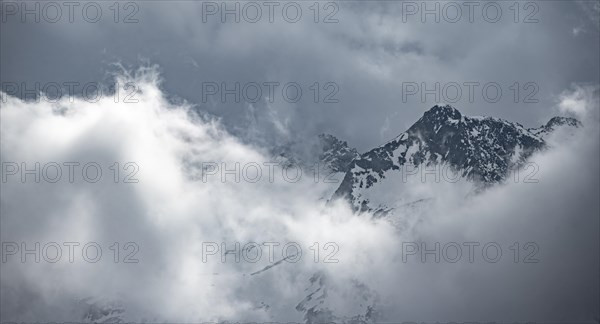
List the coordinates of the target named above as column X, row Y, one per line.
column 336, row 155
column 484, row 150
column 331, row 153
column 436, row 117
column 555, row 124
column 555, row 121
column 442, row 112
column 481, row 149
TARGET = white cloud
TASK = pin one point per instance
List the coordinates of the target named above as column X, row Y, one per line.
column 581, row 101
column 169, row 214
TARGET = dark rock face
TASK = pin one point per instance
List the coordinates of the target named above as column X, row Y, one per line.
column 336, row 155
column 554, row 124
column 481, row 149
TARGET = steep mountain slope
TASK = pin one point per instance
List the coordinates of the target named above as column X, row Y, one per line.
column 557, row 124
column 336, row 155
column 477, row 149
column 330, row 153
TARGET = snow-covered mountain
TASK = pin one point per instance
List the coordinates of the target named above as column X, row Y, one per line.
column 336, row 155
column 482, row 150
column 565, row 125
column 330, row 153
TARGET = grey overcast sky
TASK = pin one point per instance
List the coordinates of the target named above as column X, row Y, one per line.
column 372, row 51
column 368, row 60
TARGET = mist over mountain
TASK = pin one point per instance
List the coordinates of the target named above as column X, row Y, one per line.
column 381, row 201
column 231, row 162
column 483, row 150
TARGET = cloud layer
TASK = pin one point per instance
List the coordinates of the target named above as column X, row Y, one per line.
column 369, row 53
column 170, row 212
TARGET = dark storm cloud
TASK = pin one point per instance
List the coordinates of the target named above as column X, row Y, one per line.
column 368, row 53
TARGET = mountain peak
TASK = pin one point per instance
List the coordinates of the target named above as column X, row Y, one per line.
column 483, row 150
column 559, row 121
column 556, row 123
column 336, row 154
column 436, row 118
column 443, row 111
